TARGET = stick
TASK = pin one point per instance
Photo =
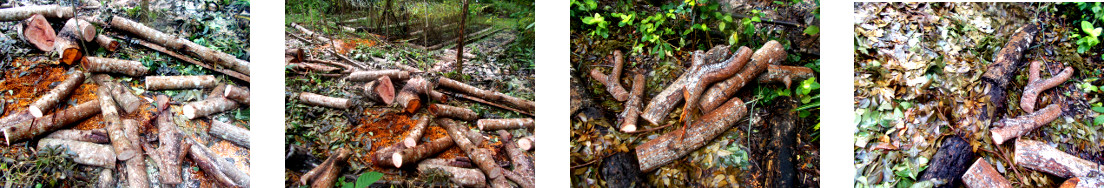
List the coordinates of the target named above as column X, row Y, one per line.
column 54, row 96
column 37, row 31
column 632, row 108
column 87, row 153
column 98, row 136
column 461, row 176
column 1009, row 128
column 441, row 110
column 1035, row 85
column 324, row 101
column 1039, row 156
column 499, row 124
column 408, row 96
column 982, row 175
column 417, row 153
column 525, row 105
column 668, row 147
column 24, row 127
column 238, row 94
column 416, row 132
column 208, row 106
column 369, row 75
column 108, row 65
column 488, row 103
column 237, row 135
column 613, row 80
column 176, row 43
column 24, row 12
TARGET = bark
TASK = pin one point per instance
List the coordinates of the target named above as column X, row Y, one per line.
column 492, row 104
column 162, row 49
column 107, row 43
column 67, row 44
column 416, row 132
column 170, row 149
column 782, row 141
column 761, row 60
column 310, row 33
column 982, row 175
column 441, row 110
column 238, row 94
column 119, row 66
column 785, row 74
column 1083, row 182
column 383, row 156
column 462, row 176
column 208, row 106
column 414, row 154
column 26, row 128
column 136, row 166
column 106, row 180
column 202, row 157
column 1039, row 156
column 176, row 43
column 87, row 153
column 523, row 166
column 662, row 104
column 522, row 104
column 56, row 95
column 621, row 170
column 480, row 157
column 668, row 147
column 1035, row 85
column 949, row 162
column 408, row 96
column 632, row 108
column 237, row 135
column 1009, row 128
column 326, row 173
column 124, row 149
column 324, row 101
column 613, row 80
column 316, row 66
column 232, row 171
column 119, row 92
column 702, row 76
column 460, row 40
column 520, row 180
column 438, row 96
column 527, row 143
column 37, row 31
column 98, row 136
column 369, row 75
column 24, row 12
column 998, row 74
column 499, row 124
column 180, row 82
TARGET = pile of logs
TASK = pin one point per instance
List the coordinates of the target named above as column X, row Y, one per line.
column 123, row 144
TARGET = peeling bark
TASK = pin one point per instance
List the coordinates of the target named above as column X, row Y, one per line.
column 785, row 74
column 237, row 135
column 1009, row 128
column 176, row 43
column 668, row 147
column 416, row 132
column 1035, row 85
column 412, row 155
column 55, row 96
column 238, row 94
column 24, row 12
column 180, row 82
column 107, row 43
column 98, row 136
column 408, row 96
column 982, row 175
column 369, row 75
column 108, row 65
column 499, row 124
column 522, row 104
column 1039, row 156
column 119, row 92
column 207, row 107
column 37, row 31
column 87, row 153
column 24, row 127
column 441, row 110
column 462, row 176
column 632, row 107
column 324, row 101
column 613, row 80
column 124, row 149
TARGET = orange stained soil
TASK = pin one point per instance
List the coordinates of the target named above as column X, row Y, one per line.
column 389, row 127
column 343, row 46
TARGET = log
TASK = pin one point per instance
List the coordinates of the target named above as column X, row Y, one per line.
column 170, row 149
column 136, row 166
column 949, row 162
column 381, row 89
column 770, row 53
column 232, row 171
column 56, row 95
column 668, row 147
column 24, row 12
column 657, row 109
column 85, row 31
column 408, row 96
column 702, row 76
column 1035, row 85
column 326, row 173
column 783, row 138
column 98, row 136
column 26, row 128
column 461, row 176
column 202, row 157
column 310, row 33
column 87, row 153
column 520, row 180
column 120, row 93
column 438, row 96
column 369, row 75
column 441, row 110
column 124, row 150
column 324, row 101
column 785, row 74
column 523, row 166
column 613, row 80
column 416, row 132
column 207, row 107
column 480, row 157
column 237, row 135
column 998, row 74
column 632, row 107
column 982, row 175
column 37, row 31
column 499, row 124
column 383, row 156
column 162, row 49
column 527, row 143
column 1009, row 128
column 107, row 43
column 176, row 43
column 180, row 82
column 1039, row 156
column 1087, row 182
column 524, row 105
column 67, row 43
column 119, row 66
column 414, row 154
column 238, row 94
column 106, row 179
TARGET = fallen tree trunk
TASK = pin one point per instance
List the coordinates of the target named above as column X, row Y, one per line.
column 632, row 108
column 949, row 162
column 441, row 110
column 383, row 156
column 324, row 101
column 24, row 12
column 785, row 74
column 408, row 96
column 414, row 154
column 98, row 136
column 381, row 89
column 136, row 166
column 176, row 43
column 1009, row 128
column 492, row 104
column 982, row 175
column 120, row 93
column 1039, row 156
column 238, row 94
column 29, row 128
column 67, row 43
column 770, row 53
column 55, row 96
column 668, row 147
column 170, row 149
column 87, row 153
column 480, row 157
column 369, row 75
column 499, row 124
column 523, row 166
column 326, row 173
column 201, row 157
column 525, row 105
column 438, row 96
column 207, row 107
column 310, row 33
column 1035, row 85
column 702, row 76
column 416, row 132
column 180, row 82
column 237, row 135
column 613, row 80
column 998, row 74
column 162, row 49
column 37, row 31
column 107, row 43
column 461, row 176
column 657, row 109
column 124, row 150
column 108, row 65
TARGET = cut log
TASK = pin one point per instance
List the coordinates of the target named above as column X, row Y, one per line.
column 67, row 43
column 98, row 136
column 369, row 75
column 1039, row 156
column 949, row 162
column 122, row 94
column 416, row 132
column 668, row 147
column 124, row 150
column 438, row 96
column 136, row 166
column 998, row 74
column 85, row 31
column 310, row 33
column 238, row 94
column 613, row 80
column 207, row 107
column 326, row 173
column 107, row 43
column 408, row 96
column 412, row 155
column 710, row 72
column 37, row 31
column 982, row 175
column 1035, row 85
column 56, row 95
column 24, row 12
column 785, row 74
column 480, row 157
column 523, row 166
column 180, row 82
column 295, row 55
column 632, row 107
column 383, row 156
column 119, row 66
column 1087, row 182
column 499, row 124
column 237, row 175
column 176, row 43
column 1009, row 128
column 170, row 149
column 522, row 104
column 461, row 176
column 26, row 128
column 657, row 109
column 324, row 101
column 162, row 49
column 441, row 110
column 87, row 153
column 237, row 135
column 381, row 89
column 527, row 143
column 106, row 180
column 202, row 157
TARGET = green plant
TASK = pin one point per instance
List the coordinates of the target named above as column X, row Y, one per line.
column 1090, row 39
column 599, row 21
column 364, row 180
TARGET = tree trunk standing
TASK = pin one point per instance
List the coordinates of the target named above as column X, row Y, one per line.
column 170, row 149
column 108, row 65
column 107, row 43
column 416, row 132
column 180, row 82
column 668, row 147
column 207, row 107
column 37, row 31
column 785, row 74
column 56, row 95
column 238, row 94
column 135, row 167
column 119, row 92
column 124, row 150
column 369, row 75
column 87, row 153
column 982, row 175
column 613, row 80
column 632, row 107
column 460, row 40
column 500, row 124
column 414, row 154
column 98, row 136
column 1035, row 85
column 462, row 176
column 67, row 44
column 1039, row 156
column 492, row 96
column 324, row 101
column 176, row 43
column 24, row 12
column 29, row 128
column 949, row 162
column 441, row 110
column 1009, row 128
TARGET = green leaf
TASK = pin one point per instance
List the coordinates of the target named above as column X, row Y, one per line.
column 1099, row 120
column 733, row 39
column 721, row 26
column 367, row 179
column 812, row 30
column 756, row 19
column 1098, row 109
